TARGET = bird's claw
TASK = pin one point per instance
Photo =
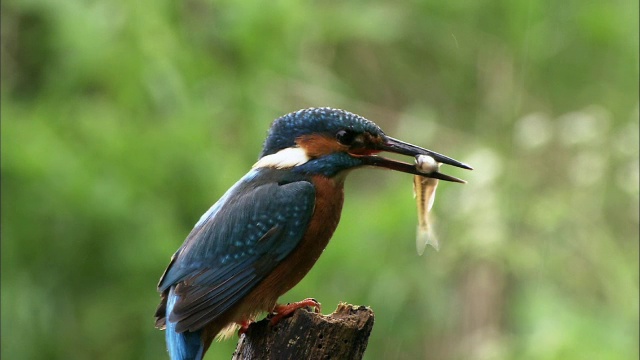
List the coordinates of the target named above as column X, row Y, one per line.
column 281, row 311
column 244, row 327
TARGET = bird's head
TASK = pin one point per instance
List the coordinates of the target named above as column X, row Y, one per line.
column 326, row 141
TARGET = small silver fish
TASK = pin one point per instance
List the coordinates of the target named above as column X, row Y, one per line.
column 424, row 190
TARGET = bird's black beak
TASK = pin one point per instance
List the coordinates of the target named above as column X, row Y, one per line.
column 400, row 147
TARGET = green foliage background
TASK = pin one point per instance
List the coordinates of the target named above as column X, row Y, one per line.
column 123, row 121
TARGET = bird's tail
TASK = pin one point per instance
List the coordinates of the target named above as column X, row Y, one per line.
column 182, row 346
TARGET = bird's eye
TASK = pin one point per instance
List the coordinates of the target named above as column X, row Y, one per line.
column 345, row 137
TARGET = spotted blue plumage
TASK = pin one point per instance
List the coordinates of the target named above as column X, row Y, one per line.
column 238, row 242
column 286, row 129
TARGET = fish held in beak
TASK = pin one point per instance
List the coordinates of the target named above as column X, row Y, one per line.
column 424, row 190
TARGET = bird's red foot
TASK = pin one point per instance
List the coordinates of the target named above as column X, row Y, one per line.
column 244, row 326
column 282, row 311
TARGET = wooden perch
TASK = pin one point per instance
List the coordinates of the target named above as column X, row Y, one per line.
column 307, row 335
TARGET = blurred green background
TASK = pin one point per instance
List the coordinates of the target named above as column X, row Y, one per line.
column 123, row 121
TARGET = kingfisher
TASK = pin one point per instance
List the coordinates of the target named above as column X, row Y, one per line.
column 267, row 231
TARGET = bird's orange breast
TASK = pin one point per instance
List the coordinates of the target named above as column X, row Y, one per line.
column 325, row 218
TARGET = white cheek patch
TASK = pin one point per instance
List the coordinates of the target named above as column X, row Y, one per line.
column 283, row 159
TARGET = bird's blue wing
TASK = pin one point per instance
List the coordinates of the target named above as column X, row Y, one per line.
column 229, row 253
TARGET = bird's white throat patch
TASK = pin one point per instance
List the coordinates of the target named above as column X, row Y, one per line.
column 283, row 159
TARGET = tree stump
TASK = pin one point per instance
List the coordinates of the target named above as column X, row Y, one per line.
column 307, row 335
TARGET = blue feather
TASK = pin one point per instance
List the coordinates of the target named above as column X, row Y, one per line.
column 238, row 242
column 328, row 166
column 286, row 129
column 182, row 346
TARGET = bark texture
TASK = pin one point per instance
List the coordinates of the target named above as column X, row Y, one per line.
column 307, row 335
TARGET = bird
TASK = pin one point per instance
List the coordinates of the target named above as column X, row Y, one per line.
column 268, row 230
